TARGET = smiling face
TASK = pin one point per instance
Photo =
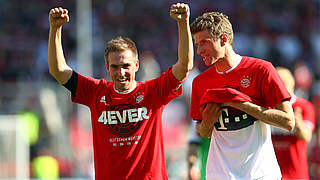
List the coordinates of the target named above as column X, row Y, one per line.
column 211, row 32
column 210, row 49
column 122, row 67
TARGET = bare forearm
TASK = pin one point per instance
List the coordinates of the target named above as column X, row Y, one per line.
column 57, row 63
column 303, row 132
column 280, row 118
column 210, row 114
column 277, row 118
column 185, row 51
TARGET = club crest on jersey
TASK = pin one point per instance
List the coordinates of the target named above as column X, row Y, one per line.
column 139, row 97
column 245, row 81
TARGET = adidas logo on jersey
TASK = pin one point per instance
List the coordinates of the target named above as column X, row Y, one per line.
column 103, row 99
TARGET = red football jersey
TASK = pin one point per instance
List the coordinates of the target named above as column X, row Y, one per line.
column 291, row 152
column 255, row 78
column 127, row 128
column 240, row 146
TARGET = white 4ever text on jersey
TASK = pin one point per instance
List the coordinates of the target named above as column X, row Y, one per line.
column 124, row 116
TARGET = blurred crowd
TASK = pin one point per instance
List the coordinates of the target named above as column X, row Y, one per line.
column 286, row 33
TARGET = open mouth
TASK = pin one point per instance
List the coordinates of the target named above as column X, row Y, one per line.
column 123, row 80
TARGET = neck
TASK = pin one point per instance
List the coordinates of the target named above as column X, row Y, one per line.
column 230, row 60
column 128, row 90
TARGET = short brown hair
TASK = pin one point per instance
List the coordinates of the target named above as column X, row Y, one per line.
column 120, row 44
column 215, row 22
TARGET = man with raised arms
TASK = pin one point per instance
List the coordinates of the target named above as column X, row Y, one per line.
column 125, row 114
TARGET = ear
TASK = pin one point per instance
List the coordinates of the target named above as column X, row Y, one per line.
column 107, row 67
column 106, row 61
column 224, row 39
column 137, row 65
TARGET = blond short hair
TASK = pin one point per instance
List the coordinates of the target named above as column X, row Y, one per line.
column 120, row 44
column 216, row 23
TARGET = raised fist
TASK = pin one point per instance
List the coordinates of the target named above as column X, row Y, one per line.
column 180, row 12
column 58, row 17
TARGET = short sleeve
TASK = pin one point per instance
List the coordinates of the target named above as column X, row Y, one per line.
column 273, row 88
column 308, row 114
column 86, row 90
column 166, row 87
